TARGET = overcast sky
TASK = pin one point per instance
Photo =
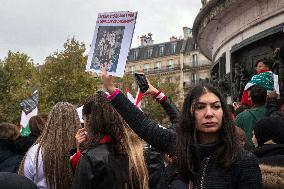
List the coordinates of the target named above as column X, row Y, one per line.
column 40, row 27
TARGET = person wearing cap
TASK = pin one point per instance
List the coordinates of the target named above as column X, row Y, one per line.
column 268, row 138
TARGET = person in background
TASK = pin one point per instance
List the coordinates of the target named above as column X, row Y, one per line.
column 9, row 159
column 204, row 146
column 14, row 181
column 47, row 162
column 247, row 119
column 264, row 77
column 114, row 157
column 36, row 125
column 268, row 138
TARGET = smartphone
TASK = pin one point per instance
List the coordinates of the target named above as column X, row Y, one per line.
column 141, row 82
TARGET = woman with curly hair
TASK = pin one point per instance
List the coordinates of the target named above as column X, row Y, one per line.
column 114, row 156
column 47, row 163
column 205, row 148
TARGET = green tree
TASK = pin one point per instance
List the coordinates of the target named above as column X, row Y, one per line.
column 153, row 108
column 63, row 77
column 17, row 78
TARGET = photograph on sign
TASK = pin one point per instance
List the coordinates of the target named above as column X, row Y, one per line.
column 111, row 42
column 107, row 48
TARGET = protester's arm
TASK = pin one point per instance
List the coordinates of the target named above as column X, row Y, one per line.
column 29, row 167
column 171, row 110
column 169, row 107
column 162, row 139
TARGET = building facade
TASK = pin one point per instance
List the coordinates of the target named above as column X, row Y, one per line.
column 233, row 34
column 178, row 61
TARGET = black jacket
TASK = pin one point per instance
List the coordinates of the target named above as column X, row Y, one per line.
column 100, row 167
column 244, row 173
column 271, row 157
column 23, row 143
column 172, row 111
column 154, row 159
column 9, row 159
column 15, row 181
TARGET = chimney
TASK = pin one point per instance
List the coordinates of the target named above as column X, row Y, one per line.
column 142, row 40
column 146, row 40
column 187, row 32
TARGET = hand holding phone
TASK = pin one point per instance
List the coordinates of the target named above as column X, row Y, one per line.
column 142, row 82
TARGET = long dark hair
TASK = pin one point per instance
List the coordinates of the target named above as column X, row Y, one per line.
column 187, row 154
column 103, row 119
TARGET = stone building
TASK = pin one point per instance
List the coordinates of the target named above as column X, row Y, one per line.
column 233, row 34
column 178, row 61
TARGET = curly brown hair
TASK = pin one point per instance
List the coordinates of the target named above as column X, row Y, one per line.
column 56, row 140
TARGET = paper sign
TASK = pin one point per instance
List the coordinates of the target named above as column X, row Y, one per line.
column 111, row 42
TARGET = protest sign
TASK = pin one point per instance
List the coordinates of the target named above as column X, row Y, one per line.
column 111, row 42
column 29, row 109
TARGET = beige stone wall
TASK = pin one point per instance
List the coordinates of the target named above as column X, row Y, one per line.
column 250, row 18
column 218, row 29
column 182, row 72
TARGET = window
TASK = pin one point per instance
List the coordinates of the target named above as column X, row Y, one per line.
column 132, row 68
column 173, row 48
column 170, row 64
column 170, row 79
column 149, row 52
column 195, row 46
column 194, row 60
column 161, row 50
column 158, row 66
column 135, row 54
column 193, row 78
column 146, row 68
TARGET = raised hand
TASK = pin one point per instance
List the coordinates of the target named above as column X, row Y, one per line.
column 81, row 136
column 107, row 80
column 152, row 90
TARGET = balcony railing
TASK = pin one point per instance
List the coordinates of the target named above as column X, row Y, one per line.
column 199, row 66
column 160, row 70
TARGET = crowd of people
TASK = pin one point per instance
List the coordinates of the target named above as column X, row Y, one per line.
column 210, row 144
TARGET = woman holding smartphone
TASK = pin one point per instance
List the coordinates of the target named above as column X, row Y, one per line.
column 205, row 149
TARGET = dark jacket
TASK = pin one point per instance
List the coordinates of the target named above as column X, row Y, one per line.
column 244, row 173
column 23, row 143
column 155, row 165
column 271, row 157
column 154, row 159
column 100, row 167
column 9, row 159
column 15, row 181
column 172, row 112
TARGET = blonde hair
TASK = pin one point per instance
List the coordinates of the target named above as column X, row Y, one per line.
column 101, row 117
column 56, row 140
column 137, row 166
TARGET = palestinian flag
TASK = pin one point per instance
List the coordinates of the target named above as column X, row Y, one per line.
column 29, row 109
